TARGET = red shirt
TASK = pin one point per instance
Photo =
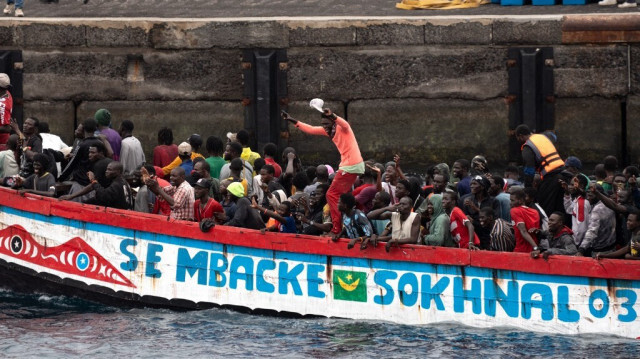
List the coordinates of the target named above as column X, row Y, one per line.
column 459, row 230
column 163, row 155
column 212, row 207
column 161, row 206
column 6, row 107
column 531, row 219
column 276, row 166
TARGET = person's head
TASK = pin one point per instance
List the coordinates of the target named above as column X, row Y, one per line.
column 405, row 205
column 235, row 166
column 512, row 172
column 579, row 184
column 300, row 180
column 267, row 172
column 327, row 124
column 496, row 185
column 322, row 174
column 195, row 141
column 103, row 117
column 530, row 195
column 40, row 164
column 479, row 164
column 270, row 150
column 201, row 188
column 5, row 82
column 633, row 221
column 30, row 126
column 285, row 154
column 215, row 147
column 258, row 163
column 79, row 131
column 243, row 137
column 318, row 195
column 177, row 176
column 439, row 183
column 346, row 203
column 486, row 217
column 610, row 164
column 460, row 168
column 556, row 222
column 599, row 172
column 235, row 190
column 591, row 197
column 97, row 151
column 89, row 126
column 43, row 127
column 234, row 150
column 403, row 188
column 390, row 173
column 381, row 199
column 623, row 196
column 284, row 209
column 165, row 136
column 619, row 181
column 223, row 187
column 517, row 197
column 202, row 169
column 126, row 128
column 522, row 133
column 150, row 169
column 631, row 171
column 12, row 143
column 184, row 151
column 480, row 185
column 442, row 169
column 114, row 169
column 573, row 165
column 449, row 200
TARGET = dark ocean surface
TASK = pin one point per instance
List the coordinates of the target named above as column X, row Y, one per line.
column 41, row 326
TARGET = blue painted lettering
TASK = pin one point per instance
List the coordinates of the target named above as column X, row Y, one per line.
column 246, row 263
column 434, row 293
column 132, row 263
column 460, row 295
column 192, row 265
column 381, row 278
column 565, row 313
column 408, row 298
column 314, row 281
column 289, row 277
column 152, row 259
column 602, row 296
column 218, row 264
column 493, row 294
column 261, row 284
column 631, row 298
column 545, row 303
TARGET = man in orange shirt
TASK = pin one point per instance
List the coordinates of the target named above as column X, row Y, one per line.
column 351, row 163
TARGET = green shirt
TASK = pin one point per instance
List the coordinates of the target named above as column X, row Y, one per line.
column 215, row 164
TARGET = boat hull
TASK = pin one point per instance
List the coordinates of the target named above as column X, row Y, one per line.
column 126, row 258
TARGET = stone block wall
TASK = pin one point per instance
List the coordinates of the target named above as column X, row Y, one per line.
column 431, row 89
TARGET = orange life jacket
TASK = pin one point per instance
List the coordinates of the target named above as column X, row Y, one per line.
column 547, row 156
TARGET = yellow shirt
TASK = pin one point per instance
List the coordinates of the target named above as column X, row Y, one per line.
column 177, row 162
column 249, row 155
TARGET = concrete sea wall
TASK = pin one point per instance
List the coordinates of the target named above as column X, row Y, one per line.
column 432, row 88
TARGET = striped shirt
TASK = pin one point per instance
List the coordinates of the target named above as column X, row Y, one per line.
column 502, row 238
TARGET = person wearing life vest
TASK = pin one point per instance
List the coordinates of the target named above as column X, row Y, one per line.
column 540, row 156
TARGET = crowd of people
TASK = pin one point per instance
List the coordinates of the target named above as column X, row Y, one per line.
column 547, row 207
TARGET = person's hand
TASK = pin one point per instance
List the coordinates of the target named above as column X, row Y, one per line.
column 535, row 254
column 91, row 176
column 220, row 216
column 15, row 127
column 545, row 255
column 66, row 197
column 608, row 179
column 19, row 181
column 564, row 185
column 396, row 159
column 152, row 185
column 387, row 247
column 579, row 254
column 534, row 231
column 254, row 204
column 22, row 191
column 394, row 207
column 473, row 247
column 334, row 237
column 291, row 156
column 597, row 255
column 302, row 218
column 632, row 181
column 328, row 113
column 592, row 187
column 635, row 245
column 373, row 168
column 287, row 117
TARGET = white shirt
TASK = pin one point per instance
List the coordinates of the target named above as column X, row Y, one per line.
column 131, row 154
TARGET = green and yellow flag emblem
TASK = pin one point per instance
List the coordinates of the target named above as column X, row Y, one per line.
column 350, row 285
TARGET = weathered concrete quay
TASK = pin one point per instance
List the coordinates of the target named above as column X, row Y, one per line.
column 434, row 88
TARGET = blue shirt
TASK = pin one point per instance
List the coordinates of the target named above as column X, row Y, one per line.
column 356, row 225
column 188, row 166
column 289, row 226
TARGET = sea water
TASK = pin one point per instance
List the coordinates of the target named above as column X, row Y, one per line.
column 41, row 326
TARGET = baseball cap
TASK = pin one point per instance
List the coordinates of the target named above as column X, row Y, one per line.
column 184, row 149
column 5, row 82
column 203, row 183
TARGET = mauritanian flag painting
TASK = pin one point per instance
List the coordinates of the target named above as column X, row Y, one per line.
column 350, row 285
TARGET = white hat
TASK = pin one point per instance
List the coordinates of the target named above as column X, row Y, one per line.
column 184, row 149
column 5, row 82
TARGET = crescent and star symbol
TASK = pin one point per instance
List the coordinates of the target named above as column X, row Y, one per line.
column 349, row 287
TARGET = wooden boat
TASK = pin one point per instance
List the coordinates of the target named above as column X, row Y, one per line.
column 128, row 258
